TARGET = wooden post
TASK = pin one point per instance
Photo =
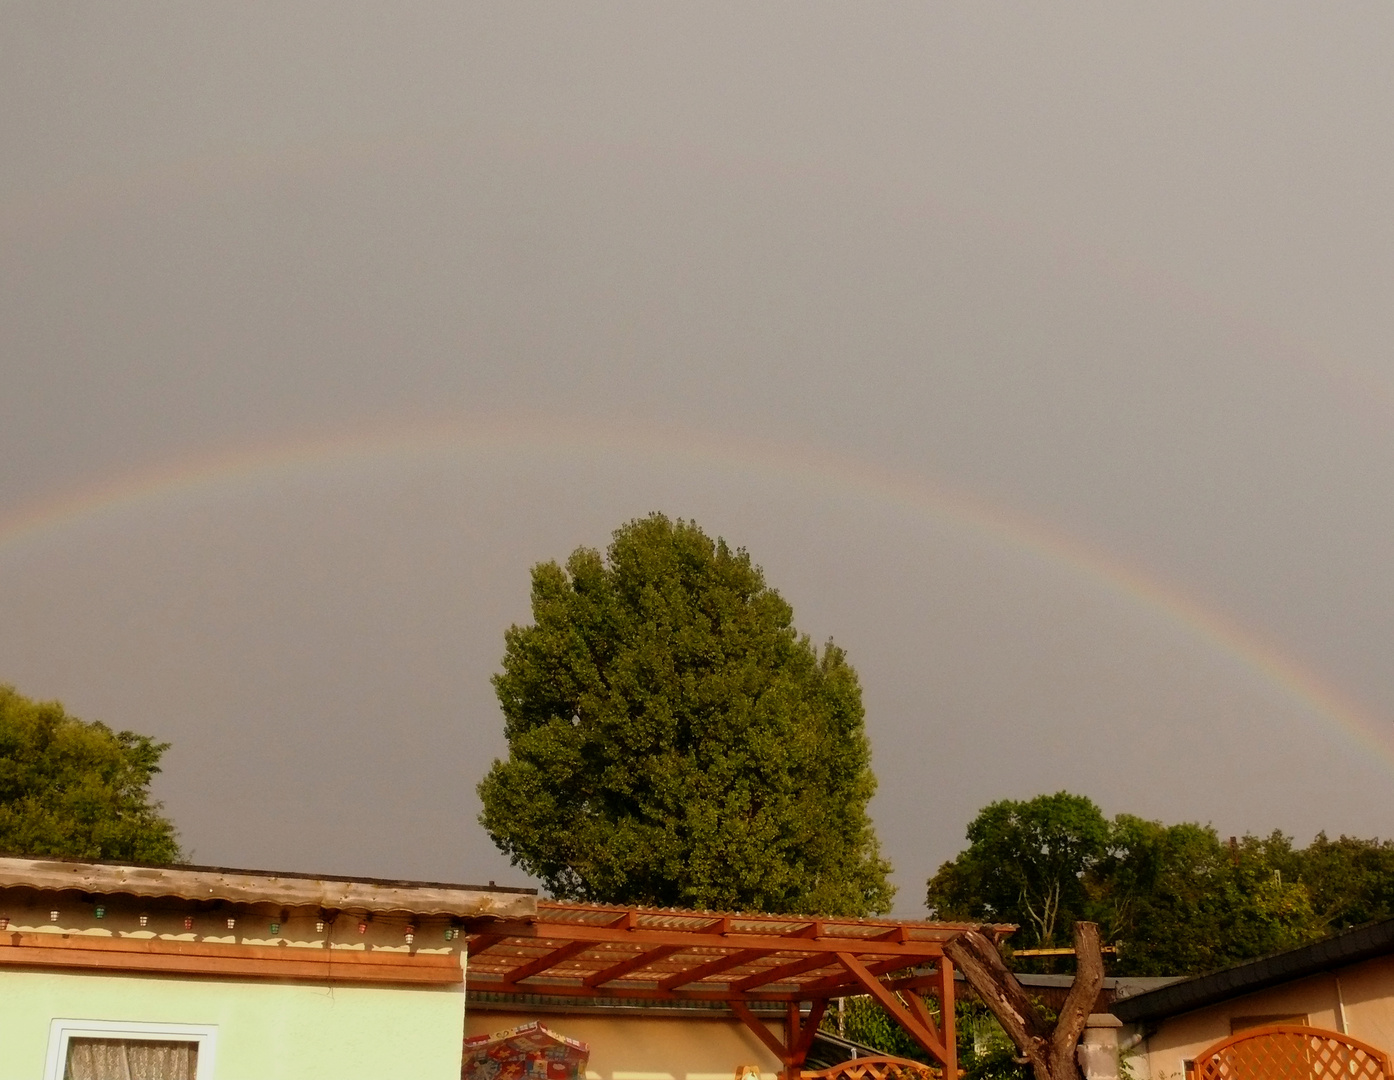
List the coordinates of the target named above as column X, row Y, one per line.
column 948, row 1034
column 791, row 1040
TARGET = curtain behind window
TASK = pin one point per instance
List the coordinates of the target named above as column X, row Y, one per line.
column 130, row 1059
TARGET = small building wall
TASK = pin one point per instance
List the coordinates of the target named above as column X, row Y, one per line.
column 636, row 1047
column 267, row 1030
column 1356, row 1000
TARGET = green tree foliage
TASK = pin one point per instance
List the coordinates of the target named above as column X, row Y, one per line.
column 1177, row 900
column 984, row 1051
column 1026, row 863
column 77, row 789
column 673, row 740
column 864, row 1021
column 1351, row 881
column 1174, row 899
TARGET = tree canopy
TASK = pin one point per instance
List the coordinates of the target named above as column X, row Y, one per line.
column 1173, row 899
column 78, row 789
column 1026, row 863
column 674, row 740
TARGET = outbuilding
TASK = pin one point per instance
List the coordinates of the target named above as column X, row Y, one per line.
column 1325, row 1009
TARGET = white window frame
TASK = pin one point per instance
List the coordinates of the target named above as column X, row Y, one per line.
column 61, row 1030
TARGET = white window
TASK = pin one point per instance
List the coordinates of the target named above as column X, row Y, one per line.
column 127, row 1050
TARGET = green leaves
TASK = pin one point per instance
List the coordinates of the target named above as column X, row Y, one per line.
column 1175, row 899
column 674, row 741
column 1026, row 863
column 76, row 789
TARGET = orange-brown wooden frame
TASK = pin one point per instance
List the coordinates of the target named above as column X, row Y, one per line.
column 158, row 955
column 596, row 951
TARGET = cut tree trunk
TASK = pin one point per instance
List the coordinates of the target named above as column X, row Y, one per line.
column 1050, row 1050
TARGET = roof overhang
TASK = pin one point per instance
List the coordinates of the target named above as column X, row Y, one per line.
column 213, row 883
column 1336, row 951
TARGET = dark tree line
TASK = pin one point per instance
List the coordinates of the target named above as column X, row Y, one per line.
column 1172, row 899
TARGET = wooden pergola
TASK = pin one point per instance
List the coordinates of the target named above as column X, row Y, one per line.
column 593, row 951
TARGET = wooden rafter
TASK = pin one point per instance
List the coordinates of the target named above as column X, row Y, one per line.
column 837, row 984
column 784, row 971
column 634, row 963
column 547, row 960
column 926, row 1036
column 707, row 970
column 916, row 951
column 480, row 942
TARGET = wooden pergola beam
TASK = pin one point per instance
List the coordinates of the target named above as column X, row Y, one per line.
column 833, row 984
column 642, row 993
column 549, row 960
column 944, row 1030
column 764, row 1034
column 915, row 950
column 799, row 1033
column 808, row 1031
column 479, row 942
column 926, row 1036
column 634, row 963
column 712, row 967
column 784, row 971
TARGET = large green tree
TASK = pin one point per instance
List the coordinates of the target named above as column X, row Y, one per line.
column 78, row 789
column 674, row 740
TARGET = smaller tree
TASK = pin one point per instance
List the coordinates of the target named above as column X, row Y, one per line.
column 1173, row 899
column 1025, row 863
column 77, row 789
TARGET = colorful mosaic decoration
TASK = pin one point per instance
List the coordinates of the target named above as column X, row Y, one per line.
column 529, row 1052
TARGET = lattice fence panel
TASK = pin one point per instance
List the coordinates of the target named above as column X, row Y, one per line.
column 876, row 1068
column 1291, row 1054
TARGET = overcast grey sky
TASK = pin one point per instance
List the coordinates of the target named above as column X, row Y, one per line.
column 1040, row 354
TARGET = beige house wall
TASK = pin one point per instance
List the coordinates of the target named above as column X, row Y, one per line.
column 635, row 1047
column 1357, row 1000
column 266, row 1030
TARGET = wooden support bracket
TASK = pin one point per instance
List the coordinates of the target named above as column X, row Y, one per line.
column 764, row 1034
column 922, row 1034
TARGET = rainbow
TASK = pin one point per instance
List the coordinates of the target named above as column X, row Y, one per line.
column 265, row 464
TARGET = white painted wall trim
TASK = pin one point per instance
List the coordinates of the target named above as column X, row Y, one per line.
column 61, row 1030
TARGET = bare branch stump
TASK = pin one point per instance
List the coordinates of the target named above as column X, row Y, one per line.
column 1050, row 1049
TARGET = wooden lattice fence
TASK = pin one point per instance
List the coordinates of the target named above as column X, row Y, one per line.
column 875, row 1068
column 1290, row 1052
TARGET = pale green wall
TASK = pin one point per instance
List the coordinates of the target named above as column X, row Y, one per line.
column 266, row 1030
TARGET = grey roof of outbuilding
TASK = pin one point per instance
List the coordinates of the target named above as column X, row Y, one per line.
column 1338, row 950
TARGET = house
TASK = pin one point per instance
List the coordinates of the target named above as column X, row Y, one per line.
column 176, row 972
column 1343, row 985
